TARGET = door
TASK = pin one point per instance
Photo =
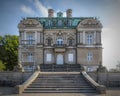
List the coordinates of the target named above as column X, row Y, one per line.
column 59, row 59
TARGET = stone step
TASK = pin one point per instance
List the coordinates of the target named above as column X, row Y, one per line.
column 56, row 84
column 59, row 91
column 59, row 83
column 59, row 86
column 54, row 76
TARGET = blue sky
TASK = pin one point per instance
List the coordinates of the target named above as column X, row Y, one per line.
column 12, row 11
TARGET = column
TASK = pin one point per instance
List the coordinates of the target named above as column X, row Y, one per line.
column 78, row 38
column 35, row 37
column 81, row 37
column 54, row 38
column 41, row 38
column 94, row 37
column 25, row 38
column 38, row 37
column 84, row 37
column 100, row 37
column 64, row 41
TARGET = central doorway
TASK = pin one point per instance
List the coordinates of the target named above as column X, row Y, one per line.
column 59, row 60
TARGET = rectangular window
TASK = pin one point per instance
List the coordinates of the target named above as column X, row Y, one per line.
column 48, row 57
column 30, row 57
column 89, row 56
column 89, row 39
column 70, row 57
column 30, row 38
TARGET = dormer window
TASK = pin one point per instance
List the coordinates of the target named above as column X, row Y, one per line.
column 59, row 14
column 49, row 41
column 59, row 41
column 70, row 41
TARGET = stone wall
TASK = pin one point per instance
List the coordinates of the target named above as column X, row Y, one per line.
column 13, row 78
column 82, row 56
column 109, row 79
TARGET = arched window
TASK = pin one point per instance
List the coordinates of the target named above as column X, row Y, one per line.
column 59, row 41
column 70, row 41
column 90, row 39
column 49, row 41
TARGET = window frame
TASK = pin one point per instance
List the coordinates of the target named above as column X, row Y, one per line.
column 48, row 57
column 89, row 56
column 71, row 57
column 59, row 41
column 30, row 57
column 89, row 39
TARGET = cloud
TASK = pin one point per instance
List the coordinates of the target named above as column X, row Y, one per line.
column 41, row 8
column 27, row 10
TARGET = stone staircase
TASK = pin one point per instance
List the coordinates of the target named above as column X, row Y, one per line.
column 60, row 68
column 59, row 82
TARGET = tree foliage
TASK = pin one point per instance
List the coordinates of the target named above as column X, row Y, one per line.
column 9, row 51
column 2, row 66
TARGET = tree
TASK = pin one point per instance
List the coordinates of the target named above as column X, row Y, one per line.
column 117, row 69
column 101, row 68
column 9, row 51
column 2, row 66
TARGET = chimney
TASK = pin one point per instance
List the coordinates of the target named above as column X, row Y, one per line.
column 50, row 13
column 69, row 13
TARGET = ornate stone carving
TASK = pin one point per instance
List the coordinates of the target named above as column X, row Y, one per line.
column 29, row 23
column 90, row 23
column 18, row 68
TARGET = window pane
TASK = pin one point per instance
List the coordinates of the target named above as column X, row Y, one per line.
column 59, row 41
column 89, row 38
column 30, row 57
column 49, row 57
column 89, row 56
column 70, row 57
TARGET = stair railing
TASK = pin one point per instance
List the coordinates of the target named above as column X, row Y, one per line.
column 22, row 87
column 100, row 88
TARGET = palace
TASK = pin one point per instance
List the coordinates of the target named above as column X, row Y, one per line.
column 60, row 41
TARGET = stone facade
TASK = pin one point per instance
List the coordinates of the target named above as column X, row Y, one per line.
column 60, row 40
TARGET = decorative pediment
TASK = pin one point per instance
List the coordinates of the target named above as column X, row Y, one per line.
column 90, row 23
column 25, row 23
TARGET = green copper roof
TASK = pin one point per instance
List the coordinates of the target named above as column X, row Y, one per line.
column 60, row 23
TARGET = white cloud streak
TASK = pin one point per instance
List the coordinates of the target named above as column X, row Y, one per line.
column 27, row 10
column 41, row 8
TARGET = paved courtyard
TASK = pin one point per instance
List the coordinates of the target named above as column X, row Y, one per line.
column 9, row 91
